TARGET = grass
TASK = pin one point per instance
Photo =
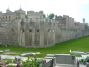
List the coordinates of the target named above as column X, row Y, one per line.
column 81, row 44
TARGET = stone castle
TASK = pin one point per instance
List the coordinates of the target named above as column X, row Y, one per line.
column 35, row 30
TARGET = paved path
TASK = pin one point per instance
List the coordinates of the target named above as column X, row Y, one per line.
column 57, row 65
column 64, row 65
column 82, row 65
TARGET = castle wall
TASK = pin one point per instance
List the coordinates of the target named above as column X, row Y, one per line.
column 34, row 30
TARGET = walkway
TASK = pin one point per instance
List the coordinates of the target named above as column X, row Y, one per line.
column 58, row 65
column 82, row 65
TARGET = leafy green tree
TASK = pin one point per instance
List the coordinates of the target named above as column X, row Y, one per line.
column 51, row 16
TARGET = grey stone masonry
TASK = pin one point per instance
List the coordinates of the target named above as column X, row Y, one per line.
column 35, row 30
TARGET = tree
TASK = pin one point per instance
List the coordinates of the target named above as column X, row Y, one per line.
column 51, row 16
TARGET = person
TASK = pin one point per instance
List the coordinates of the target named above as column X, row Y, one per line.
column 77, row 63
column 0, row 58
column 18, row 65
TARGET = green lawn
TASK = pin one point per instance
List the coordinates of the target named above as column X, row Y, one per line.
column 81, row 44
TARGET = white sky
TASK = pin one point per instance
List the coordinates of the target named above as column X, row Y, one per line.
column 72, row 8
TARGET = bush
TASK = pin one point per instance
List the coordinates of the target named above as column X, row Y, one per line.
column 87, row 59
column 31, row 63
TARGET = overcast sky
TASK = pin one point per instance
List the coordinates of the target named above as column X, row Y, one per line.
column 77, row 9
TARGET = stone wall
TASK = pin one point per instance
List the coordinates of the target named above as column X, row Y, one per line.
column 35, row 30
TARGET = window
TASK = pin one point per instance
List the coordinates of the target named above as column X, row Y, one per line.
column 12, row 30
column 22, row 30
column 6, row 17
column 30, row 30
column 48, row 30
column 9, row 17
column 37, row 30
column 16, row 17
column 3, row 17
column 22, row 23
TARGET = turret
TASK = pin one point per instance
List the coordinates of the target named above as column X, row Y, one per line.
column 83, row 20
